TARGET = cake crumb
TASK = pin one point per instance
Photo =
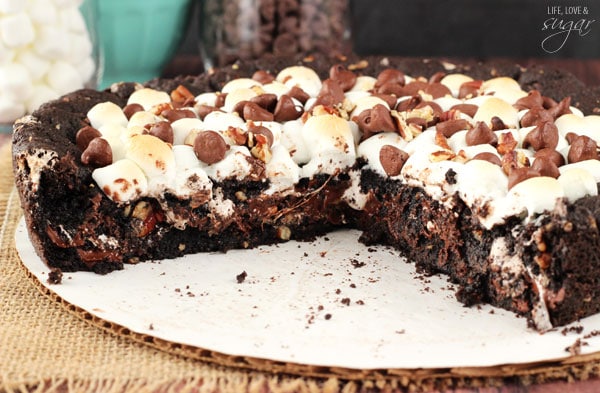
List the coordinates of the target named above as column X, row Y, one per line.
column 55, row 276
column 241, row 277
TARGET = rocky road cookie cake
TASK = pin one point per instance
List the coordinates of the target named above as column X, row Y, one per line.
column 486, row 174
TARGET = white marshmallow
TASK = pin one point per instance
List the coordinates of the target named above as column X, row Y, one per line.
column 139, row 119
column 116, row 145
column 42, row 12
column 50, row 42
column 41, row 94
column 220, row 121
column 292, row 139
column 209, row 99
column 238, row 95
column 86, row 69
column 15, row 82
column 276, row 88
column 365, row 103
column 591, row 166
column 185, row 158
column 63, row 77
column 80, row 48
column 148, row 98
column 534, row 195
column 494, row 106
column 281, row 170
column 12, row 6
column 303, row 77
column 35, row 64
column 454, row 81
column 106, row 113
column 182, row 128
column 363, row 83
column 121, row 181
column 16, row 30
column 10, row 110
column 235, row 165
column 72, row 20
column 577, row 183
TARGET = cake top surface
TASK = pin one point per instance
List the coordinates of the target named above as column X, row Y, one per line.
column 500, row 149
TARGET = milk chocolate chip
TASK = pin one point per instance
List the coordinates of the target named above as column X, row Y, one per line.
column 266, row 101
column 299, row 94
column 375, row 120
column 286, row 109
column 535, row 115
column 437, row 90
column 173, row 115
column 582, row 148
column 469, row 89
column 533, row 99
column 344, row 77
column 254, row 112
column 261, row 134
column 451, row 127
column 544, row 135
column 97, row 154
column 392, row 159
column 85, row 135
column 263, row 77
column 162, row 130
column 545, row 167
column 131, row 109
column 331, row 94
column 467, row 109
column 489, row 157
column 390, row 75
column 517, row 175
column 210, row 147
column 204, row 110
column 552, row 155
column 480, row 135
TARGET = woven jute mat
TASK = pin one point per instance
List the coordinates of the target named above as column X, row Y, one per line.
column 48, row 345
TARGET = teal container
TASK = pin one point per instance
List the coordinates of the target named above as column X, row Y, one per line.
column 135, row 38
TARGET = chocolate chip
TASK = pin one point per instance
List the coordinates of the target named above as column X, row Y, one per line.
column 517, row 175
column 210, row 147
column 331, row 94
column 220, row 100
column 498, row 124
column 388, row 98
column 489, row 157
column 409, row 103
column 450, row 127
column 562, row 108
column 85, row 135
column 437, row 90
column 204, row 110
column 130, row 109
column 390, row 75
column 176, row 114
column 414, row 87
column 535, row 115
column 266, row 101
column 481, row 134
column 533, row 99
column 392, row 159
column 469, row 89
column 263, row 77
column 265, row 134
column 97, row 154
column 545, row 167
column 437, row 77
column 162, row 130
column 255, row 113
column 435, row 107
column 299, row 94
column 582, row 148
column 467, row 109
column 375, row 120
column 346, row 78
column 544, row 135
column 286, row 109
column 552, row 155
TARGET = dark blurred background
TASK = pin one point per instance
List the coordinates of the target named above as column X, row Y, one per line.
column 562, row 32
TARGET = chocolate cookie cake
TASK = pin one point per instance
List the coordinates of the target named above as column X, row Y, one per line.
column 479, row 172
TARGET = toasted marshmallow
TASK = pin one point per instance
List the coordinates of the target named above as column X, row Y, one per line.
column 106, row 113
column 148, row 98
column 494, row 106
column 183, row 127
column 121, row 181
column 236, row 96
column 363, row 83
column 239, row 83
column 303, row 77
column 591, row 166
column 276, row 88
column 454, row 81
column 142, row 118
column 365, row 103
column 152, row 155
column 330, row 141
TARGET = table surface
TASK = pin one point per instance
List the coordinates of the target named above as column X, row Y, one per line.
column 589, row 72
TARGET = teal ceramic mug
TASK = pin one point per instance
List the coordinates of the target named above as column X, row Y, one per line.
column 136, row 38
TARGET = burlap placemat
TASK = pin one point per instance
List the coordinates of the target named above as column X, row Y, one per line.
column 47, row 345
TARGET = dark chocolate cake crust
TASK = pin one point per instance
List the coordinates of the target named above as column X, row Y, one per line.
column 75, row 226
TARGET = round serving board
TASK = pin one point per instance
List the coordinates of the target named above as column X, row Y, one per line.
column 314, row 307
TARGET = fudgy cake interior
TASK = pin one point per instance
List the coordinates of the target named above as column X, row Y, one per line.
column 463, row 171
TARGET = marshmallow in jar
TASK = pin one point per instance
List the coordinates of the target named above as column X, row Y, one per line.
column 45, row 52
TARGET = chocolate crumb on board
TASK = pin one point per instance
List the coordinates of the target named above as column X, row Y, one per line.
column 55, row 276
column 356, row 263
column 346, row 301
column 327, row 317
column 575, row 348
column 241, row 277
